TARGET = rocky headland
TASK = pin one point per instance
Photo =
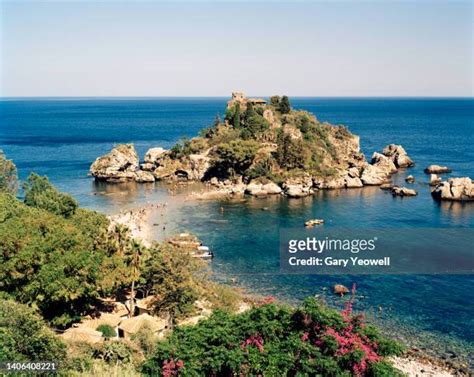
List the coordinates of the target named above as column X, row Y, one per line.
column 258, row 149
column 267, row 148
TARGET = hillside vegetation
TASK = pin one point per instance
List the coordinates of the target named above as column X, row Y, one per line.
column 60, row 263
column 270, row 141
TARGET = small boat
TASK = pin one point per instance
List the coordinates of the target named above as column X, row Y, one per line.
column 203, row 252
column 313, row 222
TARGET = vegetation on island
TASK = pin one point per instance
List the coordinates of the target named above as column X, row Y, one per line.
column 59, row 262
column 263, row 142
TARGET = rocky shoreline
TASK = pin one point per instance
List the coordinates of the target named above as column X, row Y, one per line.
column 414, row 362
column 325, row 157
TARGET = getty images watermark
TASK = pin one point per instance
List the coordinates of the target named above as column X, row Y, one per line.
column 377, row 251
column 313, row 245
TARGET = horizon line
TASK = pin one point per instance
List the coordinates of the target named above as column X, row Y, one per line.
column 228, row 96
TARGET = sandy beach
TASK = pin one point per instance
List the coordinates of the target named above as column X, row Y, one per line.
column 137, row 221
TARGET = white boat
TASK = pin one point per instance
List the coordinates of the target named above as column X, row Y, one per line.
column 203, row 252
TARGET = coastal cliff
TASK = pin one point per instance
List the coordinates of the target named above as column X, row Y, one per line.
column 260, row 148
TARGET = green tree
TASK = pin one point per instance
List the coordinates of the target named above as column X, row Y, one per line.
column 255, row 126
column 40, row 193
column 284, row 105
column 236, row 118
column 291, row 154
column 48, row 261
column 237, row 155
column 8, row 175
column 135, row 258
column 275, row 101
column 24, row 335
column 172, row 271
column 250, row 111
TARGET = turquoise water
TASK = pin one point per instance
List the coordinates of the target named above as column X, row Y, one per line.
column 61, row 138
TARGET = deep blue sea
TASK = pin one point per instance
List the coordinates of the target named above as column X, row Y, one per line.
column 62, row 137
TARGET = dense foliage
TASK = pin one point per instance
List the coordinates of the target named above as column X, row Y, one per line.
column 276, row 340
column 267, row 142
column 237, row 156
column 24, row 335
column 41, row 194
column 8, row 175
column 48, row 261
column 62, row 264
column 58, row 260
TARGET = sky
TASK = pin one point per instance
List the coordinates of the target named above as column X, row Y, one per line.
column 302, row 48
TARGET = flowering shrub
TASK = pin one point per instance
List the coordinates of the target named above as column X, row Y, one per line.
column 254, row 340
column 274, row 340
column 171, row 368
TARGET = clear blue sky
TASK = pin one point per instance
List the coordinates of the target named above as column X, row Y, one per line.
column 343, row 48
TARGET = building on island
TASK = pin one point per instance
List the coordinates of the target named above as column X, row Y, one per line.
column 242, row 100
column 132, row 325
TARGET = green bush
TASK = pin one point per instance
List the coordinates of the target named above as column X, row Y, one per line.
column 54, row 263
column 271, row 340
column 291, row 154
column 107, row 331
column 261, row 169
column 236, row 156
column 40, row 193
column 284, row 105
column 24, row 335
column 275, row 101
column 181, row 149
column 115, row 352
column 8, row 175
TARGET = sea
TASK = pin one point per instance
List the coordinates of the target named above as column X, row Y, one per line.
column 61, row 137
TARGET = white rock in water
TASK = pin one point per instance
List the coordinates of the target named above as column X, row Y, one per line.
column 254, row 188
column 403, row 191
column 383, row 162
column 437, row 169
column 271, row 188
column 434, row 180
column 398, row 155
column 144, row 176
column 373, row 175
column 458, row 189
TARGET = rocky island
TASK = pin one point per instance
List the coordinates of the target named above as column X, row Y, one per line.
column 260, row 148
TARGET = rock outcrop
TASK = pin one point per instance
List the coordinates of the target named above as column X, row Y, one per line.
column 403, row 191
column 119, row 165
column 437, row 169
column 456, row 189
column 298, row 187
column 196, row 166
column 154, row 155
column 410, row 179
column 398, row 155
column 340, row 289
column 434, row 180
column 272, row 188
column 383, row 162
column 374, row 175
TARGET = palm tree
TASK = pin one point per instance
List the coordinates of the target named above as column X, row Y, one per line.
column 136, row 253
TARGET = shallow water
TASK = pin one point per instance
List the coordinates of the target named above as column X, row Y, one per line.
column 61, row 138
